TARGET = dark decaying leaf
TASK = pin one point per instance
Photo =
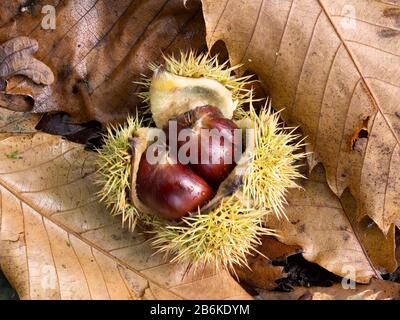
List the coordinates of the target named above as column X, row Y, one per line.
column 6, row 291
column 89, row 134
column 99, row 48
column 395, row 276
column 301, row 273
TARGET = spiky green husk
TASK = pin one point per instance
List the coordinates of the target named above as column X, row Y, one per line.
column 225, row 235
column 114, row 169
column 222, row 237
column 273, row 169
column 194, row 65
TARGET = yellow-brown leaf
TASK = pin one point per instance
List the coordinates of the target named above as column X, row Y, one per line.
column 58, row 242
column 335, row 68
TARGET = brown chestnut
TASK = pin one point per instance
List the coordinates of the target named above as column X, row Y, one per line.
column 216, row 142
column 170, row 188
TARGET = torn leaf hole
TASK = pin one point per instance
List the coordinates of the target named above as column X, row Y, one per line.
column 366, row 223
column 358, row 142
column 363, row 133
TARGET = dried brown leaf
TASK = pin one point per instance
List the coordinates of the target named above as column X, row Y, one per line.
column 12, row 122
column 335, row 68
column 99, row 49
column 58, row 242
column 16, row 58
column 325, row 228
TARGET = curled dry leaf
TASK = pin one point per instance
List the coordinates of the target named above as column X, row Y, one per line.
column 99, row 49
column 58, row 242
column 16, row 58
column 335, row 68
column 324, row 227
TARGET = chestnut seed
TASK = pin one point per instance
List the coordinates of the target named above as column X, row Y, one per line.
column 216, row 147
column 170, row 188
column 215, row 168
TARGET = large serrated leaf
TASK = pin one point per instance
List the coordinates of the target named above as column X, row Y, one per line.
column 58, row 242
column 335, row 68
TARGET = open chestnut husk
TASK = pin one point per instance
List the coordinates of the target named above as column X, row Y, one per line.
column 200, row 213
